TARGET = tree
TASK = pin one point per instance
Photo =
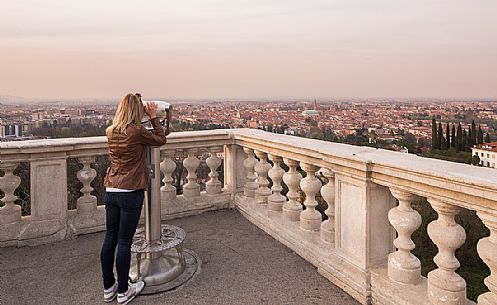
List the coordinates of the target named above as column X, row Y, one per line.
column 453, row 139
column 473, row 133
column 480, row 135
column 434, row 140
column 475, row 160
column 447, row 136
column 459, row 144
column 487, row 138
column 440, row 136
column 464, row 142
column 469, row 140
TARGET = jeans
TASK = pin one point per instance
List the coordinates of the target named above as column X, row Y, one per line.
column 122, row 215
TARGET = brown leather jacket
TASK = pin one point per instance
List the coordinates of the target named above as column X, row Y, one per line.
column 128, row 155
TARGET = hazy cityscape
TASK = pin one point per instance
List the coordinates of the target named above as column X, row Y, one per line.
column 391, row 124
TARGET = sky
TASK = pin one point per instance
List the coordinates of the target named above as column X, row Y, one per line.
column 199, row 49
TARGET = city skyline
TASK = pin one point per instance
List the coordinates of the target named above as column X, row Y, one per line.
column 249, row 49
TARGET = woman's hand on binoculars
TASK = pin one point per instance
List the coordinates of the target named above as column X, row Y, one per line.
column 151, row 109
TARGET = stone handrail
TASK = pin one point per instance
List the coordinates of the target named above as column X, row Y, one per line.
column 364, row 245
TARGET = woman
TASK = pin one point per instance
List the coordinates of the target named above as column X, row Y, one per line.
column 125, row 182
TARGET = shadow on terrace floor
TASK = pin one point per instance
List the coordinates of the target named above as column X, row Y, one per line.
column 241, row 265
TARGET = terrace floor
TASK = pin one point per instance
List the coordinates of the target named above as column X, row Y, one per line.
column 240, row 265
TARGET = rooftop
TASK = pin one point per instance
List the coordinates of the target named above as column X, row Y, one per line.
column 240, row 265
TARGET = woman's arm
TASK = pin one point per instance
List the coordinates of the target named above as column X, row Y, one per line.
column 155, row 137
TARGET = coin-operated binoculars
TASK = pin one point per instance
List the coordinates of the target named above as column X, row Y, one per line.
column 161, row 262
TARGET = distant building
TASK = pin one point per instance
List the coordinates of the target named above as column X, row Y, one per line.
column 487, row 153
column 311, row 112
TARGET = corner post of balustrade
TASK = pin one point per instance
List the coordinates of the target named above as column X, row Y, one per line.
column 249, row 164
column 275, row 201
column 403, row 266
column 262, row 168
column 10, row 212
column 234, row 170
column 86, row 204
column 310, row 219
column 445, row 286
column 328, row 193
column 167, row 167
column 487, row 249
column 191, row 163
column 48, row 198
column 292, row 208
column 213, row 186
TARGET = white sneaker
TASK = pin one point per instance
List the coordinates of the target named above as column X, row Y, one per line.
column 110, row 293
column 134, row 289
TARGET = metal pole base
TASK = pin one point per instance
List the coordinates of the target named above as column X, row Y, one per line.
column 190, row 270
column 163, row 264
column 159, row 270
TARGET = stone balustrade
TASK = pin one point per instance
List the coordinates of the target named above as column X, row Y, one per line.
column 50, row 220
column 363, row 245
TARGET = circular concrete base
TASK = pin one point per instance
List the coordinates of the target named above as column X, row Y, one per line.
column 192, row 268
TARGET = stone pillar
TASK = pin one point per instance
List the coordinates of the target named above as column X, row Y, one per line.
column 234, row 171
column 310, row 219
column 167, row 167
column 262, row 168
column 487, row 248
column 249, row 163
column 213, row 186
column 403, row 266
column 445, row 286
column 276, row 200
column 10, row 212
column 292, row 208
column 192, row 188
column 86, row 204
column 328, row 193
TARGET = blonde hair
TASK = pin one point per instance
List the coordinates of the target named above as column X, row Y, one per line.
column 129, row 112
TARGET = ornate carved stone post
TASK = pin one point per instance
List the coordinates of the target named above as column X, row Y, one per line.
column 328, row 193
column 87, row 203
column 10, row 212
column 276, row 200
column 403, row 266
column 262, row 168
column 192, row 188
column 445, row 286
column 250, row 185
column 310, row 219
column 292, row 208
column 167, row 167
column 213, row 186
column 487, row 248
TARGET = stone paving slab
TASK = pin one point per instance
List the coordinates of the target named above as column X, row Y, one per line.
column 241, row 265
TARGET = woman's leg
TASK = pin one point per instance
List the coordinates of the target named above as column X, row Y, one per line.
column 131, row 207
column 112, row 215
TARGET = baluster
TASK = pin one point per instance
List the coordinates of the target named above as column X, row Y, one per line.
column 10, row 212
column 487, row 248
column 192, row 188
column 249, row 163
column 445, row 286
column 87, row 203
column 292, row 208
column 310, row 219
column 213, row 186
column 276, row 200
column 262, row 168
column 328, row 193
column 403, row 266
column 167, row 167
